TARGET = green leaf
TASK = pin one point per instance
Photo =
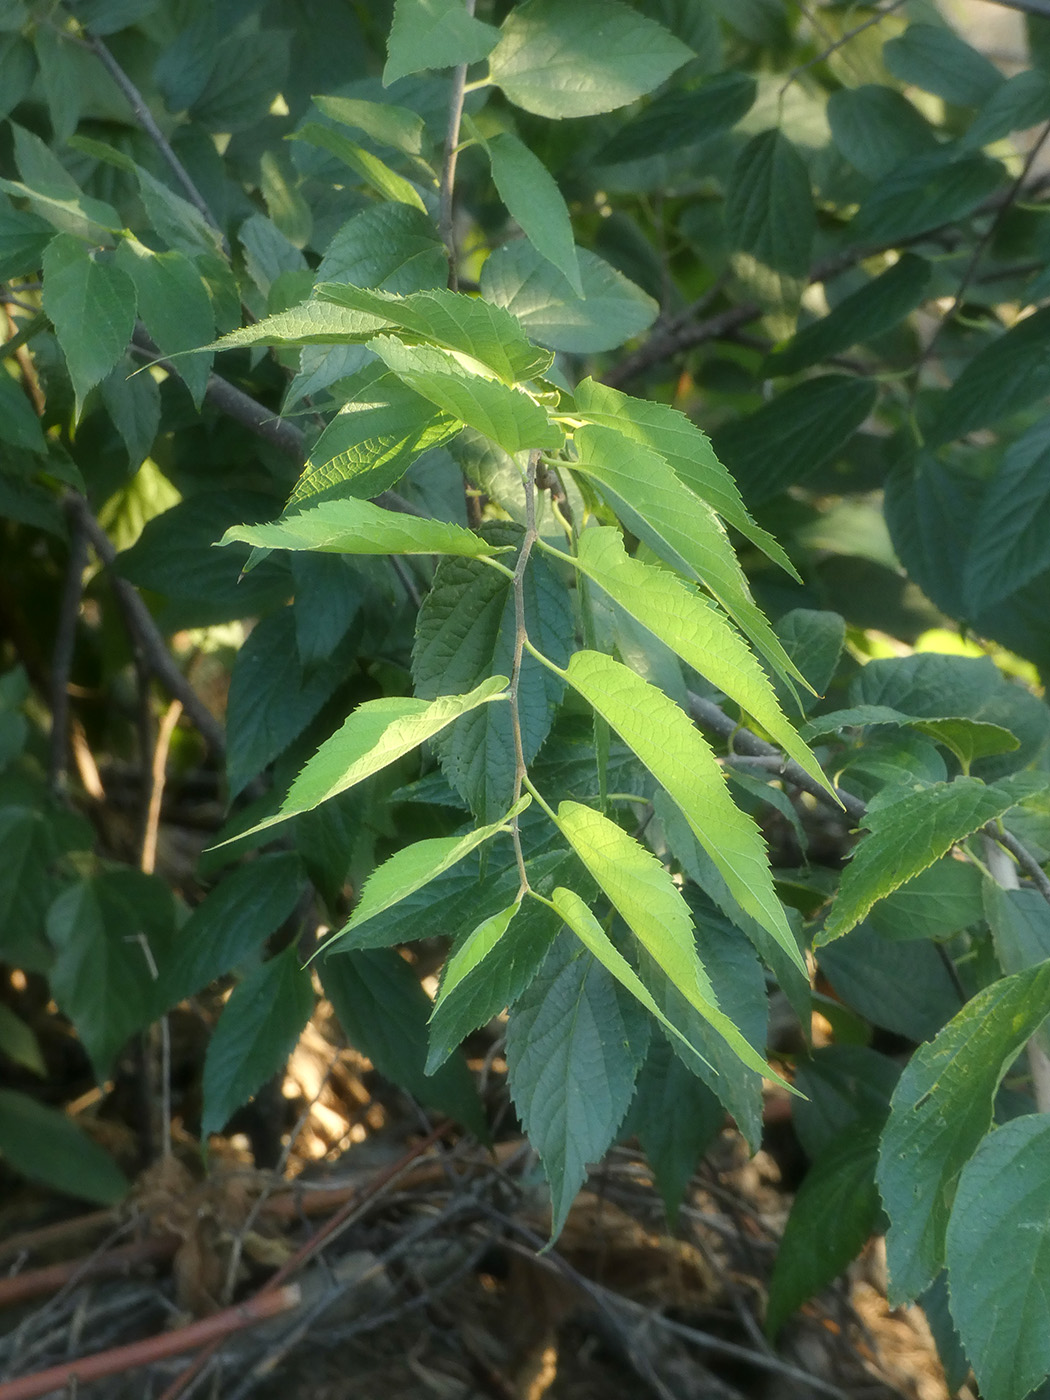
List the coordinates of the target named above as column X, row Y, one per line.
column 378, row 733
column 453, row 321
column 32, row 841
column 370, row 168
column 310, row 323
column 61, row 78
column 383, row 121
column 902, row 986
column 790, row 438
column 174, row 305
column 247, row 74
column 572, row 1059
column 1016, row 104
column 845, row 1086
column 411, row 869
column 102, row 976
column 54, row 194
column 684, row 447
column 506, row 415
column 256, row 1033
column 575, row 61
column 133, row 402
column 924, row 193
column 478, row 944
column 232, row 923
column 941, row 901
column 876, row 308
column 655, row 505
column 91, row 304
column 676, row 1118
column 941, row 1110
column 1012, row 546
column 934, row 58
column 23, row 238
column 833, row 1215
column 612, row 309
column 694, row 629
column 1020, row 925
column 19, row 1043
column 390, row 246
column 676, row 119
column 465, row 631
column 47, row 1146
column 905, row 837
column 351, row 526
column 434, row 34
column 19, row 425
column 968, row 739
column 998, row 1250
column 814, row 641
column 679, row 758
column 18, row 68
column 535, row 202
column 383, row 1011
column 769, row 207
column 877, row 129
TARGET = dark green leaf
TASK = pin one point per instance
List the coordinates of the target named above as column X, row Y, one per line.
column 23, row 238
column 390, row 246
column 934, row 58
column 925, row 193
column 1013, row 544
column 845, row 1086
column 941, row 1110
column 676, row 119
column 248, row 73
column 257, row 1031
column 937, row 903
column 19, row 425
column 814, row 641
column 676, row 1117
column 769, row 207
column 1020, row 925
column 91, row 304
column 17, row 71
column 133, row 402
column 372, row 171
column 902, row 986
column 1018, row 103
column 877, row 129
column 47, row 1146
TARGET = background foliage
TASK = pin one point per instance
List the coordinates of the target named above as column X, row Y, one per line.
column 468, row 504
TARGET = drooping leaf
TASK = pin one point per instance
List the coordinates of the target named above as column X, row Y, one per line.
column 310, row 323
column 385, row 122
column 785, row 441
column 45, row 1145
column 686, row 449
column 575, row 61
column 612, row 309
column 373, row 171
column 769, row 207
column 232, row 923
column 350, row 526
column 679, row 758
column 933, row 57
column 411, row 869
column 676, row 119
column 452, row 320
column 675, row 1117
column 91, row 304
column 534, row 200
column 1002, row 1211
column 832, row 1216
column 663, row 512
column 133, row 403
column 940, row 1111
column 695, row 630
column 377, row 734
column 572, row 1058
column 474, row 949
column 256, row 1033
column 905, row 837
column 434, row 34
column 465, row 631
column 1012, row 546
column 383, row 1010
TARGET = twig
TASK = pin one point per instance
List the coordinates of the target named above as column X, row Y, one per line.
column 673, row 339
column 446, row 225
column 520, row 638
column 145, row 633
column 62, row 657
column 157, row 779
column 1001, row 868
column 1023, row 856
column 119, row 1360
column 839, row 43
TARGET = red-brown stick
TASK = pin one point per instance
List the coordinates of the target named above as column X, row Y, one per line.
column 37, row 1283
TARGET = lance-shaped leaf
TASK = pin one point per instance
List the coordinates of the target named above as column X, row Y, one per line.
column 681, row 527
column 940, row 1111
column 411, row 869
column 507, row 415
column 385, row 122
column 473, row 950
column 650, row 932
column 371, row 169
column 535, row 202
column 91, row 304
column 377, row 734
column 679, row 758
column 309, row 323
column 361, row 527
column 434, row 34
column 905, row 837
column 466, row 325
column 687, row 450
column 967, row 738
column 769, row 206
column 46, row 1145
column 696, row 630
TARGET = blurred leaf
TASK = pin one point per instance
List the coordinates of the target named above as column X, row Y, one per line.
column 676, row 119
column 19, row 1043
column 434, row 34
column 903, row 987
column 1013, row 544
column 91, row 304
column 925, row 193
column 940, row 901
column 47, row 1146
column 877, row 129
column 1016, row 104
column 769, row 207
column 934, row 58
column 358, row 527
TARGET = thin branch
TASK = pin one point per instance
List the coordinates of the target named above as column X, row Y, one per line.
column 838, row 43
column 1023, row 857
column 446, row 224
column 62, row 657
column 520, row 638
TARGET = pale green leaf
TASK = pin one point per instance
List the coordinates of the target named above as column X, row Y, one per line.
column 694, row 629
column 611, row 310
column 686, row 449
column 683, row 529
column 91, row 304
column 411, row 869
column 968, row 739
column 998, row 1252
column 769, row 207
column 941, row 1110
column 370, row 168
column 377, row 734
column 351, row 526
column 390, row 246
column 463, row 324
column 506, row 415
column 256, row 1033
column 434, row 34
column 535, row 202
column 310, row 323
column 382, row 121
column 575, row 60
column 679, row 758
column 46, row 1146
column 906, row 836
column 474, row 949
